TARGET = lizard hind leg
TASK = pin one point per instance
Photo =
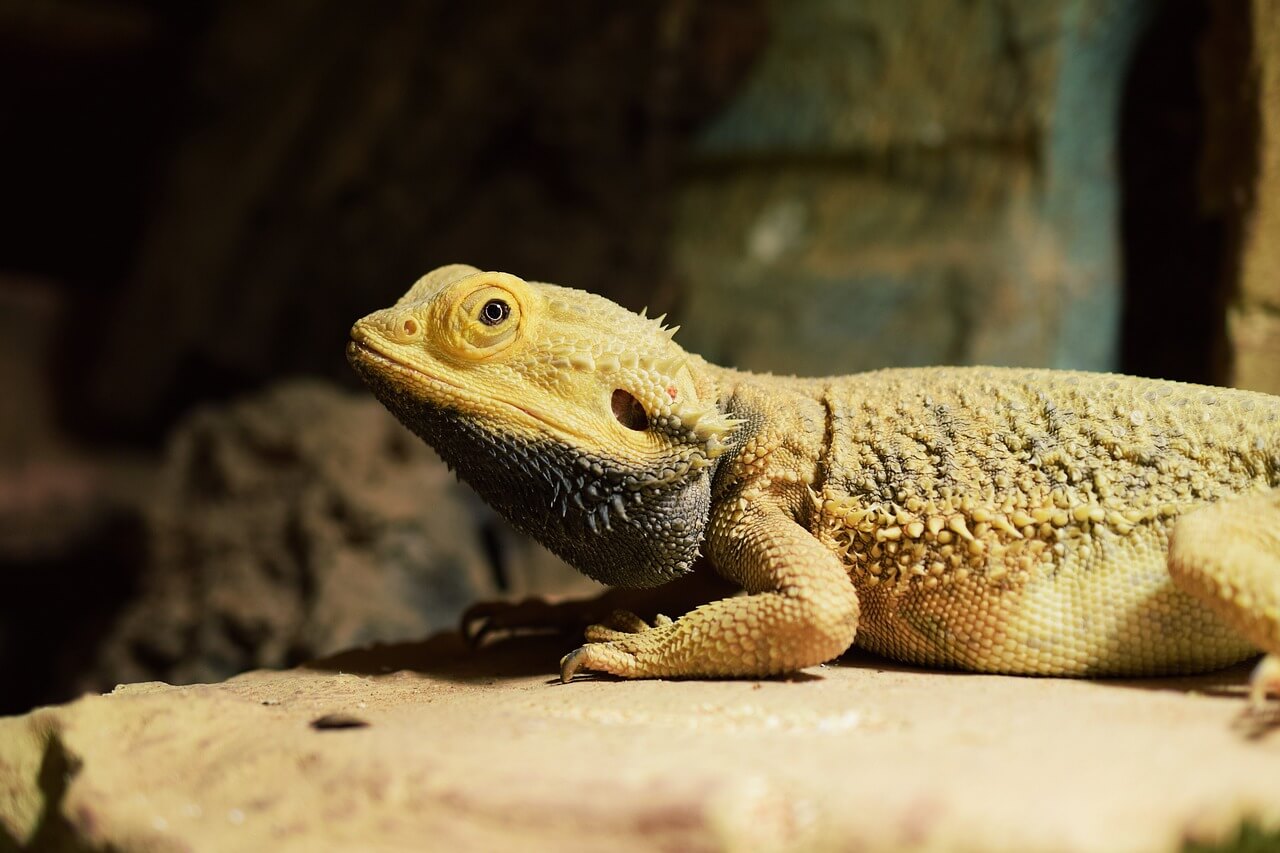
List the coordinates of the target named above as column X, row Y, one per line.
column 1227, row 554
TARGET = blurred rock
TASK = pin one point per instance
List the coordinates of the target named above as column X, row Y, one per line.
column 1241, row 178
column 69, row 526
column 906, row 183
column 1173, row 242
column 51, row 495
column 302, row 521
column 278, row 528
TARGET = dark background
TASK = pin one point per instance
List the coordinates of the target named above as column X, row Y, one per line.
column 199, row 198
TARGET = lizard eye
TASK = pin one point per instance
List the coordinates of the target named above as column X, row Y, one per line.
column 628, row 411
column 494, row 312
column 487, row 319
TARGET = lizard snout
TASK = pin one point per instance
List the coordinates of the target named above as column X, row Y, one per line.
column 393, row 325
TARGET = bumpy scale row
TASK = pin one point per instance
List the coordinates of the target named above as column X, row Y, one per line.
column 944, row 540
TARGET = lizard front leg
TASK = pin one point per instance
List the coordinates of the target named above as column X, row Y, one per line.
column 1227, row 554
column 801, row 610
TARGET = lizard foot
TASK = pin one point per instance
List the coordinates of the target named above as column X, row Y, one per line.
column 536, row 615
column 482, row 621
column 1264, row 681
column 627, row 646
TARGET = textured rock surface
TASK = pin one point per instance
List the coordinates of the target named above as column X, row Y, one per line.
column 429, row 746
column 905, row 183
column 299, row 522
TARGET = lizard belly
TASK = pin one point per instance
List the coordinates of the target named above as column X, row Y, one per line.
column 1107, row 609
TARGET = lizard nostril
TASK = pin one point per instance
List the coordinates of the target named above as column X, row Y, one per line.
column 410, row 327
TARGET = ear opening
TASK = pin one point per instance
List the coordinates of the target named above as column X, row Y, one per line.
column 628, row 411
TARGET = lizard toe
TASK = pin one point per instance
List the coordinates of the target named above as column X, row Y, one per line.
column 603, row 634
column 622, row 624
column 626, row 622
column 582, row 658
column 610, row 657
column 571, row 663
column 485, row 620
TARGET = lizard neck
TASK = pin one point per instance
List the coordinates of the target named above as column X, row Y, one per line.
column 779, row 451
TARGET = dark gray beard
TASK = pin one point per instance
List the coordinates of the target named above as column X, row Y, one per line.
column 606, row 519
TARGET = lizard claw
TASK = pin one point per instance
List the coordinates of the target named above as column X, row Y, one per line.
column 626, row 650
column 475, row 622
column 482, row 621
column 476, row 637
column 608, row 657
column 1264, row 681
column 571, row 663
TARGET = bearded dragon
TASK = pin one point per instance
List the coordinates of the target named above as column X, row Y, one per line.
column 989, row 519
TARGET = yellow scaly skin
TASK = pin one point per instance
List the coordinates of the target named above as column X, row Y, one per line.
column 990, row 519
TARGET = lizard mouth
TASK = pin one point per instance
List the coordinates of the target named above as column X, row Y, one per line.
column 359, row 351
column 363, row 355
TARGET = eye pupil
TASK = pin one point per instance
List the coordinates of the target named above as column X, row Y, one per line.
column 494, row 312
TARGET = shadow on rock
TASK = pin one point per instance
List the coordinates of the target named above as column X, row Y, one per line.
column 1232, row 682
column 446, row 655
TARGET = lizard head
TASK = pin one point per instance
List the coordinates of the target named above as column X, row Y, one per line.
column 582, row 423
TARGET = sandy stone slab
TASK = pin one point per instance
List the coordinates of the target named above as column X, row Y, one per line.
column 429, row 746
